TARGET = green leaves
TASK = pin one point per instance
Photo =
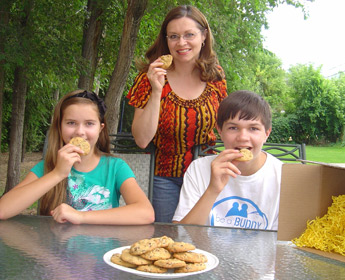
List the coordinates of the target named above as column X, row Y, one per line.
column 318, row 105
column 51, row 49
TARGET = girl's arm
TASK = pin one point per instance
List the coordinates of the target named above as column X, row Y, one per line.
column 32, row 188
column 145, row 121
column 26, row 193
column 138, row 210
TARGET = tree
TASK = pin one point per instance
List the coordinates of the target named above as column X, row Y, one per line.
column 270, row 81
column 33, row 54
column 59, row 52
column 18, row 103
column 93, row 28
column 338, row 86
column 4, row 19
column 135, row 11
column 317, row 106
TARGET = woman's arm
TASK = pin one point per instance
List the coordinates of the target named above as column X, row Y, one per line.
column 145, row 121
column 137, row 211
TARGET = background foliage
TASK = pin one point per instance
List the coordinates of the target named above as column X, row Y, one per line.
column 306, row 106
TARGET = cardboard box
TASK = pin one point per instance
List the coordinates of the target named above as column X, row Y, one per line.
column 306, row 193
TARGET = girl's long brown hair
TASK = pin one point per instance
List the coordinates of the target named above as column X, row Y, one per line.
column 57, row 194
column 207, row 62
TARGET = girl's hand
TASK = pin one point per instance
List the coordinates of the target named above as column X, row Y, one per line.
column 67, row 156
column 222, row 169
column 65, row 213
column 156, row 76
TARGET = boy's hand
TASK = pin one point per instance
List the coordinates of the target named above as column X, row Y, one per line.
column 222, row 169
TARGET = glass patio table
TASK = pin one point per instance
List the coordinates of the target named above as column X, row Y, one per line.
column 36, row 247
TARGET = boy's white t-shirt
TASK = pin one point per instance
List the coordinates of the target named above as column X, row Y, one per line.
column 246, row 201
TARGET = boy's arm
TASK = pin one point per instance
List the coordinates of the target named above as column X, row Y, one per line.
column 221, row 171
column 199, row 213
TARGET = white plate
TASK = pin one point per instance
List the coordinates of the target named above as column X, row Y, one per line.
column 211, row 264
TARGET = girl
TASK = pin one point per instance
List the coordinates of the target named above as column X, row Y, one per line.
column 71, row 184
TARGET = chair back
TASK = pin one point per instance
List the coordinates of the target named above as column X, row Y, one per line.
column 141, row 161
column 284, row 152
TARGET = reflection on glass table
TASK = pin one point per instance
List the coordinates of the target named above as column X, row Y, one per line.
column 34, row 247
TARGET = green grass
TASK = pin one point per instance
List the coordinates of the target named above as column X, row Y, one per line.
column 328, row 154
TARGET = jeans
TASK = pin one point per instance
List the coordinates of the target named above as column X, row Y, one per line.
column 165, row 197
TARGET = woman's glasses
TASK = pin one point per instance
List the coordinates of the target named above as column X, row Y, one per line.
column 187, row 37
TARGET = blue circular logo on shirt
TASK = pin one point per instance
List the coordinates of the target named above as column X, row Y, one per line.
column 235, row 211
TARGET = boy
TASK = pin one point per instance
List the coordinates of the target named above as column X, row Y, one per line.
column 220, row 190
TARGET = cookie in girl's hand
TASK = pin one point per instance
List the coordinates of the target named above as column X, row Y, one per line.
column 81, row 143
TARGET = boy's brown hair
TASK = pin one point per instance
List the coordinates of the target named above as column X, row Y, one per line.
column 248, row 105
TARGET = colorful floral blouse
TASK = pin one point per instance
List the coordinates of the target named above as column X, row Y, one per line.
column 182, row 123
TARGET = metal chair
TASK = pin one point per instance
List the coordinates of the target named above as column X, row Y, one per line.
column 284, row 152
column 141, row 161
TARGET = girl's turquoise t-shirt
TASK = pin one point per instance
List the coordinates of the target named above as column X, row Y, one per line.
column 98, row 189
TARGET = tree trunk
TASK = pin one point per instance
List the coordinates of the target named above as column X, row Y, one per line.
column 18, row 107
column 24, row 140
column 17, row 124
column 4, row 19
column 56, row 97
column 92, row 34
column 135, row 12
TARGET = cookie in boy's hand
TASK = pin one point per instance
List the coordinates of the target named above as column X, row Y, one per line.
column 247, row 155
column 167, row 60
column 81, row 143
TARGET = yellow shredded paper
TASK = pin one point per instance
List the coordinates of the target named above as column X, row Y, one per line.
column 326, row 233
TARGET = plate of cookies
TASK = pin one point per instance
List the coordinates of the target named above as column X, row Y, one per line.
column 161, row 258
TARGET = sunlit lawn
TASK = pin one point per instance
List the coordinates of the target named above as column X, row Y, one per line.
column 329, row 154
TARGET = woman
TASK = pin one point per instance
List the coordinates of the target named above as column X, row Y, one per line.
column 176, row 108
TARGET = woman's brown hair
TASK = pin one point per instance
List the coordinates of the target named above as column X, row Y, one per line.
column 57, row 194
column 207, row 62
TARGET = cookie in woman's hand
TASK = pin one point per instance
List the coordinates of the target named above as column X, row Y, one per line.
column 167, row 60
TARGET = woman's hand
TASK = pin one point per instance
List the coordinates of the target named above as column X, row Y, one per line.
column 156, row 76
column 65, row 213
column 67, row 156
column 222, row 169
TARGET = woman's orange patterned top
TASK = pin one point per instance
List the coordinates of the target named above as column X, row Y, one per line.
column 182, row 123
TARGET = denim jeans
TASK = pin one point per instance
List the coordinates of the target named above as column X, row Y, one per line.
column 166, row 195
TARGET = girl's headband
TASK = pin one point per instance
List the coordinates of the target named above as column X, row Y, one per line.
column 95, row 98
